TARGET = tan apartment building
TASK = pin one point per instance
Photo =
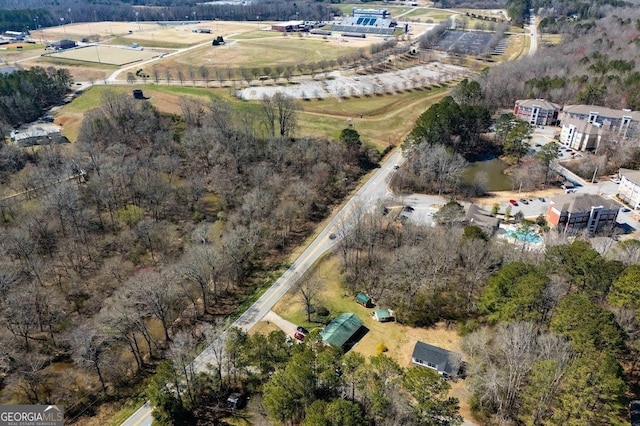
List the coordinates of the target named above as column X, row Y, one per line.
column 537, row 112
column 583, row 125
column 629, row 188
column 572, row 213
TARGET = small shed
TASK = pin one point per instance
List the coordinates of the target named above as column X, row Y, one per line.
column 445, row 362
column 339, row 331
column 364, row 300
column 382, row 315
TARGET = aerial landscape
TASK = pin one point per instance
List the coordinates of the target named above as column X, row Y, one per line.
column 320, row 213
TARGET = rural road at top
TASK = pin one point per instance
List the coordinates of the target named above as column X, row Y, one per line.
column 533, row 47
column 366, row 197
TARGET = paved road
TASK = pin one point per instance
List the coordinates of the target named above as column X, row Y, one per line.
column 374, row 189
column 533, row 47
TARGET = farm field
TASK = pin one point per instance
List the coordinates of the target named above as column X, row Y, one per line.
column 290, row 50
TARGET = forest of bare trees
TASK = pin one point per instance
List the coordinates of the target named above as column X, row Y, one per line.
column 179, row 218
column 592, row 65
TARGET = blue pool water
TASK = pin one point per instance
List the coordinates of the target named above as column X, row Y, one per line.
column 527, row 238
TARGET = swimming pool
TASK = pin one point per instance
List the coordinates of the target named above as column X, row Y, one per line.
column 528, row 237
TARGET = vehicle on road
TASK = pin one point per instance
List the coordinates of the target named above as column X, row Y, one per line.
column 541, row 199
column 625, row 210
column 408, row 209
column 513, row 202
column 615, row 179
column 523, row 201
column 396, row 167
column 332, row 236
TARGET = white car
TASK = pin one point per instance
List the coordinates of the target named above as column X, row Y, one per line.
column 615, row 179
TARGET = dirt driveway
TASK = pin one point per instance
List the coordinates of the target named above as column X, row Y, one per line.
column 287, row 326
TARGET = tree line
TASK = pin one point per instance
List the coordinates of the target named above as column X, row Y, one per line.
column 24, row 16
column 26, row 94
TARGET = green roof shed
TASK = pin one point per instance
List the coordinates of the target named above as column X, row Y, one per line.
column 340, row 330
column 363, row 299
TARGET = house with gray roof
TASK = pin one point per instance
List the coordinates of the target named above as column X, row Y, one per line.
column 571, row 213
column 37, row 134
column 629, row 188
column 482, row 219
column 537, row 112
column 445, row 362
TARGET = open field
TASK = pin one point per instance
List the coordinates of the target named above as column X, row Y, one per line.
column 105, row 55
column 290, row 50
column 385, row 119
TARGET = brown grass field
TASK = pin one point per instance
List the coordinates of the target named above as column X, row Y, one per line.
column 105, row 55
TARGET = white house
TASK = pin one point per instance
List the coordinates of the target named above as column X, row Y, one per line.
column 629, row 189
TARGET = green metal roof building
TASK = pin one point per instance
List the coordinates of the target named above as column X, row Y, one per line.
column 339, row 331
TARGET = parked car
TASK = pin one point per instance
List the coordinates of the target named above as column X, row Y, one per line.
column 541, row 199
column 302, row 330
column 300, row 333
column 625, row 210
column 408, row 209
column 513, row 202
column 615, row 179
column 523, row 201
column 396, row 167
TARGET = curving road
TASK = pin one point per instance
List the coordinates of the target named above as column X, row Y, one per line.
column 367, row 196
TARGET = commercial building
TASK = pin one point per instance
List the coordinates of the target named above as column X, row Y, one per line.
column 571, row 213
column 629, row 188
column 368, row 21
column 288, row 26
column 537, row 112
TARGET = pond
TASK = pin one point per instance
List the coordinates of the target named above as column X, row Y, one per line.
column 493, row 169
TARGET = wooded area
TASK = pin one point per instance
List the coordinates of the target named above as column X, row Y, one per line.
column 175, row 221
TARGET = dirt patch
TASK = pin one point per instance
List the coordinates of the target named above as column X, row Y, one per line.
column 505, row 196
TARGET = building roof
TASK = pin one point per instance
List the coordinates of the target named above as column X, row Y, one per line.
column 362, row 298
column 581, row 202
column 41, row 130
column 477, row 216
column 444, row 360
column 288, row 24
column 340, row 330
column 601, row 111
column 632, row 175
column 582, row 126
column 537, row 102
column 8, row 70
column 382, row 314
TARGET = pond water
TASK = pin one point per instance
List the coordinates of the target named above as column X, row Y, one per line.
column 493, row 170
